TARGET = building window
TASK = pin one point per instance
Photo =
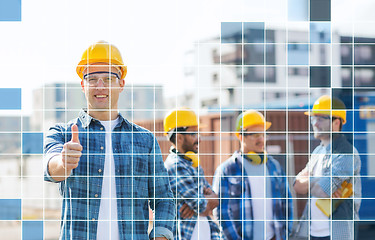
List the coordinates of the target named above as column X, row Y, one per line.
column 270, row 74
column 363, row 55
column 254, row 74
column 215, row 78
column 346, row 55
column 364, row 77
column 297, row 71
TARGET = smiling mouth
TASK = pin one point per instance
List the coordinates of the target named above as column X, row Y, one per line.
column 101, row 96
column 318, row 130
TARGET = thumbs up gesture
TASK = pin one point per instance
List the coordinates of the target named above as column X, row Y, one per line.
column 72, row 151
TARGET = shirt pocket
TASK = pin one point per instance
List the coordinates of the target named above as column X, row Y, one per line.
column 235, row 186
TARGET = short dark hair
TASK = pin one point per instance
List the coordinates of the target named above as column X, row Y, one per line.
column 172, row 139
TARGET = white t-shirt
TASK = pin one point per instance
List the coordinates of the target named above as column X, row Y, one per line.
column 202, row 229
column 319, row 221
column 262, row 206
column 107, row 220
column 261, row 199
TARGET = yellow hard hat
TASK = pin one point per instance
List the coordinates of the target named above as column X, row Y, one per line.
column 182, row 117
column 101, row 52
column 250, row 118
column 326, row 106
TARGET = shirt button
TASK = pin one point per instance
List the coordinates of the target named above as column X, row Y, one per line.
column 100, row 170
column 101, row 147
column 101, row 128
column 93, row 219
column 96, row 195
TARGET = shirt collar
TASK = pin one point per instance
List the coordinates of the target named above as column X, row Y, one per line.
column 237, row 157
column 86, row 119
column 328, row 148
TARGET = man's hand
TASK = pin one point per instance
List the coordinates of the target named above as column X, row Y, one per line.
column 212, row 201
column 61, row 165
column 337, row 194
column 345, row 191
column 207, row 191
column 186, row 211
column 72, row 151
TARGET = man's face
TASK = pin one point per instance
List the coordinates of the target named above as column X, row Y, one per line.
column 321, row 125
column 253, row 139
column 102, row 86
column 190, row 139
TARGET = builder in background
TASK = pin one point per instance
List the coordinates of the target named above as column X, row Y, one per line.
column 195, row 199
column 255, row 202
column 332, row 170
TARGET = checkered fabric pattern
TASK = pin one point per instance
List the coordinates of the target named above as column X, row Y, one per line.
column 141, row 180
column 187, row 184
column 235, row 209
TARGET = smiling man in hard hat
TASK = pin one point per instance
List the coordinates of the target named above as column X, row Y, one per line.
column 194, row 196
column 255, row 201
column 332, row 171
column 109, row 170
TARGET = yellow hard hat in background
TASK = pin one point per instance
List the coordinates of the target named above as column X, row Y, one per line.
column 250, row 118
column 101, row 52
column 182, row 117
column 326, row 106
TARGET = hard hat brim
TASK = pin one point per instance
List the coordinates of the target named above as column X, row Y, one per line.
column 200, row 127
column 266, row 125
column 82, row 65
column 311, row 113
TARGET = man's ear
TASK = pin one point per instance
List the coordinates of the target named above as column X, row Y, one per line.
column 122, row 84
column 239, row 137
column 82, row 86
column 336, row 124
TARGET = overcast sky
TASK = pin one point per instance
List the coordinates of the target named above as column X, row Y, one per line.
column 153, row 36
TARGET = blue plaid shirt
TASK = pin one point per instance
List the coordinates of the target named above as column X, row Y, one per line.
column 235, row 211
column 187, row 184
column 141, row 180
column 341, row 162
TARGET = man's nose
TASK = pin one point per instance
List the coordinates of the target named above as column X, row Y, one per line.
column 100, row 83
column 315, row 123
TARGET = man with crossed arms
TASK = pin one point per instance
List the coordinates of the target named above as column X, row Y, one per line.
column 332, row 171
column 195, row 199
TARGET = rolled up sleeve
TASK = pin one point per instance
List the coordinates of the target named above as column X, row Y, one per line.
column 53, row 145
